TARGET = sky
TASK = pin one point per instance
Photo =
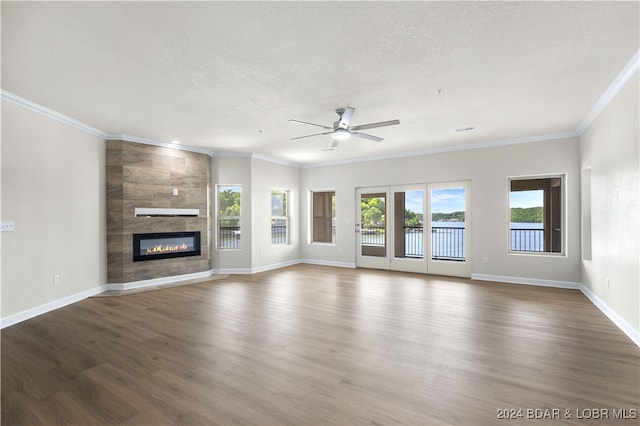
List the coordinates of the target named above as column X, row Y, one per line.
column 526, row 199
column 227, row 187
column 413, row 201
column 452, row 200
column 447, row 200
column 442, row 200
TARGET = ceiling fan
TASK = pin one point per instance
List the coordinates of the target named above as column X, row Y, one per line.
column 342, row 128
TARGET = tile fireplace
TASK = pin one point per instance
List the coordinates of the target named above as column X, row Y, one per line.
column 142, row 181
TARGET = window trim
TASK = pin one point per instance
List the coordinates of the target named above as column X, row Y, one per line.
column 563, row 176
column 311, row 216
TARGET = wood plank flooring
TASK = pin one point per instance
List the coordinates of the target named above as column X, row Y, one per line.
column 314, row 345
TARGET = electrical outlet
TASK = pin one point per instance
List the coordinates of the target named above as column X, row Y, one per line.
column 56, row 278
column 608, row 283
column 485, row 259
column 9, row 226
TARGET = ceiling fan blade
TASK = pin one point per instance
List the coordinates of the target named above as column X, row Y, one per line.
column 308, row 136
column 313, row 124
column 333, row 146
column 366, row 136
column 345, row 119
column 374, row 125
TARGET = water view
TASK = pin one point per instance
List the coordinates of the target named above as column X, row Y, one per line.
column 448, row 239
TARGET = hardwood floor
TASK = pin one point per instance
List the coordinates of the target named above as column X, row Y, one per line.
column 321, row 345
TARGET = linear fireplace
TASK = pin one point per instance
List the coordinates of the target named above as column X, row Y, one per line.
column 165, row 245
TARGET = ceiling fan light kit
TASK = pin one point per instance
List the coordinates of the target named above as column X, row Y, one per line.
column 342, row 129
column 341, row 134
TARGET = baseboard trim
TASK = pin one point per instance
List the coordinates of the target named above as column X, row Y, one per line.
column 328, row 263
column 157, row 281
column 48, row 307
column 258, row 269
column 623, row 325
column 234, row 271
column 527, row 281
column 274, row 266
column 616, row 319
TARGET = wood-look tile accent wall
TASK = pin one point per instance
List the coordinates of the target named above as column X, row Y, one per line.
column 145, row 176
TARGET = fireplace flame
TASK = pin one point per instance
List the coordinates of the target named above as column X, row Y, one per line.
column 168, row 248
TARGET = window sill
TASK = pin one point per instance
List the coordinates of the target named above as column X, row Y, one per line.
column 536, row 254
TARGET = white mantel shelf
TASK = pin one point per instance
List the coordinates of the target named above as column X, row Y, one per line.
column 161, row 212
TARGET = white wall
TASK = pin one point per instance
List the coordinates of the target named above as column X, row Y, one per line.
column 233, row 171
column 489, row 170
column 53, row 188
column 610, row 149
column 257, row 177
column 266, row 177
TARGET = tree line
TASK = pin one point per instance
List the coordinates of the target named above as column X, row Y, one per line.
column 373, row 214
column 527, row 215
column 448, row 217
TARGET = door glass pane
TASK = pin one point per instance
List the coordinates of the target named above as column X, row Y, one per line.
column 373, row 224
column 409, row 224
column 448, row 224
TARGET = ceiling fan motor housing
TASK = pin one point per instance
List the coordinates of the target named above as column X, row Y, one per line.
column 342, row 128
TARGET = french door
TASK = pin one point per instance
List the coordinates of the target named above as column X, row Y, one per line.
column 371, row 227
column 415, row 228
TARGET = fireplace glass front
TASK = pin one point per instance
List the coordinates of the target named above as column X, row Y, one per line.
column 165, row 245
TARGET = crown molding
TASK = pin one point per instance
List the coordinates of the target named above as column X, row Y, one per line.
column 47, row 112
column 8, row 96
column 274, row 160
column 155, row 142
column 230, row 154
column 623, row 77
column 227, row 154
column 468, row 147
column 54, row 115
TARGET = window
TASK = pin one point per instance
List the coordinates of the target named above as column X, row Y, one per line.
column 536, row 212
column 228, row 216
column 323, row 208
column 279, row 217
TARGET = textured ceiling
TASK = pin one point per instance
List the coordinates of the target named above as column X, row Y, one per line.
column 227, row 76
